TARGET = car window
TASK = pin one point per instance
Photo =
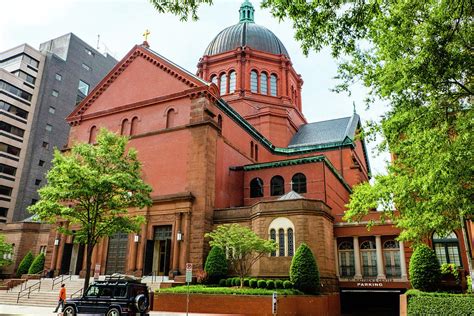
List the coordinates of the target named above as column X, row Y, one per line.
column 105, row 291
column 120, row 291
column 93, row 291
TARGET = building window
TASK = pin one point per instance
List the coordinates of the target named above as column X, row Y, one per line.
column 89, row 52
column 272, row 237
column 277, row 186
column 86, row 67
column 251, row 149
column 298, row 183
column 6, row 169
column 41, row 163
column 214, row 80
column 447, row 249
column 223, row 83
column 4, row 190
column 254, row 81
column 27, row 77
column 286, row 238
column 134, row 126
column 369, row 258
column 346, row 259
column 273, row 85
column 9, row 149
column 170, row 118
column 263, row 83
column 13, row 109
column 83, row 87
column 49, row 128
column 256, row 188
column 3, row 211
column 15, row 91
column 55, row 93
column 219, row 121
column 4, row 126
column 45, row 145
column 391, row 253
column 52, row 110
column 37, row 182
column 124, row 127
column 92, row 135
column 59, row 77
column 232, row 81
column 256, row 152
column 42, row 249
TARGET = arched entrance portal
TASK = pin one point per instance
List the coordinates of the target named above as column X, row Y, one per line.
column 158, row 251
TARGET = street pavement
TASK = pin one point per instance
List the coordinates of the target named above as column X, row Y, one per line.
column 37, row 310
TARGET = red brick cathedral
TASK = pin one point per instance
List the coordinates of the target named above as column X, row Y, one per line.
column 231, row 145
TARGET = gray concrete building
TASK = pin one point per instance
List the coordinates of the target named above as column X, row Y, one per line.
column 64, row 70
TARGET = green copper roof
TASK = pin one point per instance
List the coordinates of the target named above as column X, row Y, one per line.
column 246, row 12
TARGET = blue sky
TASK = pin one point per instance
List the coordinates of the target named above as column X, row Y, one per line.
column 121, row 23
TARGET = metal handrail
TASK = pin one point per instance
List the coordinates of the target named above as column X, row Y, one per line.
column 63, row 278
column 75, row 293
column 30, row 288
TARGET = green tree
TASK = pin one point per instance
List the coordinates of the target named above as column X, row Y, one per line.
column 91, row 187
column 417, row 57
column 425, row 272
column 37, row 265
column 216, row 265
column 304, row 272
column 242, row 245
column 6, row 250
column 25, row 264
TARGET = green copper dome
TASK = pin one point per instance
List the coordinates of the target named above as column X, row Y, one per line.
column 246, row 33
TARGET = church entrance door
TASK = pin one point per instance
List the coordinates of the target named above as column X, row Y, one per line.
column 116, row 253
column 162, row 250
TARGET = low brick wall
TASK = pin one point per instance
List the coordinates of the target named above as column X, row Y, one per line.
column 322, row 305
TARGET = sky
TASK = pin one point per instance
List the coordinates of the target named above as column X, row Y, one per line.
column 120, row 25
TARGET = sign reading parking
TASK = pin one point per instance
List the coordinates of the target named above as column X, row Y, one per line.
column 189, row 272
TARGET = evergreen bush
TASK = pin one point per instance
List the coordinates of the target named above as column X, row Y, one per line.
column 425, row 273
column 229, row 282
column 262, row 284
column 25, row 264
column 37, row 265
column 278, row 284
column 236, row 281
column 246, row 281
column 253, row 283
column 287, row 284
column 270, row 284
column 222, row 282
column 216, row 265
column 304, row 273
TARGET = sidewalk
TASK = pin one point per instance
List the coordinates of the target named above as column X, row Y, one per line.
column 36, row 310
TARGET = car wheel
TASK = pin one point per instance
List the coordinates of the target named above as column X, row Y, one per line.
column 113, row 312
column 69, row 311
column 141, row 302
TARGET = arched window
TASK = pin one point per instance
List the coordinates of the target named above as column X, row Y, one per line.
column 214, row 80
column 251, row 149
column 170, row 118
column 232, row 81
column 447, row 249
column 133, row 128
column 219, row 121
column 298, row 183
column 277, row 186
column 263, row 83
column 254, row 81
column 223, row 83
column 391, row 253
column 291, row 246
column 273, row 237
column 346, row 259
column 281, row 242
column 256, row 188
column 285, row 239
column 273, row 85
column 125, row 127
column 92, row 135
column 369, row 258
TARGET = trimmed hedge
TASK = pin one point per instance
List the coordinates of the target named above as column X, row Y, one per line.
column 236, row 281
column 287, row 284
column 304, row 273
column 253, row 283
column 425, row 273
column 222, row 282
column 25, row 264
column 229, row 282
column 246, row 282
column 37, row 265
column 278, row 284
column 261, row 284
column 270, row 284
column 216, row 265
column 223, row 290
column 423, row 303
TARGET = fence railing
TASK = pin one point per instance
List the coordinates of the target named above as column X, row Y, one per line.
column 60, row 279
column 28, row 290
column 77, row 293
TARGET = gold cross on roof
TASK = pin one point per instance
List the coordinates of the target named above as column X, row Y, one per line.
column 145, row 35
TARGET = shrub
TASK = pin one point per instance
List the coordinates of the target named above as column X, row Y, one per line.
column 450, row 269
column 236, row 281
column 425, row 273
column 25, row 264
column 246, row 282
column 278, row 284
column 229, row 282
column 216, row 265
column 227, row 291
column 422, row 303
column 304, row 273
column 37, row 265
column 270, row 284
column 253, row 283
column 222, row 282
column 287, row 284
column 261, row 284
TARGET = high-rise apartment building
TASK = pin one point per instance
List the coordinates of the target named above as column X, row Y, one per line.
column 38, row 89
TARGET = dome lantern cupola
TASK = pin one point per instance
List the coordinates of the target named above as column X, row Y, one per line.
column 246, row 12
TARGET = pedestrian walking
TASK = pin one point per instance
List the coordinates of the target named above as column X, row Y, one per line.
column 62, row 298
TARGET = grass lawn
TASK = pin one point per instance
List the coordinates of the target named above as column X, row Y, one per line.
column 202, row 289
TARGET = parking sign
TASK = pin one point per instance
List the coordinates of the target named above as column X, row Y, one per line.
column 189, row 272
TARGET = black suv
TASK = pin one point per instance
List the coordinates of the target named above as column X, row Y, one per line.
column 113, row 297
